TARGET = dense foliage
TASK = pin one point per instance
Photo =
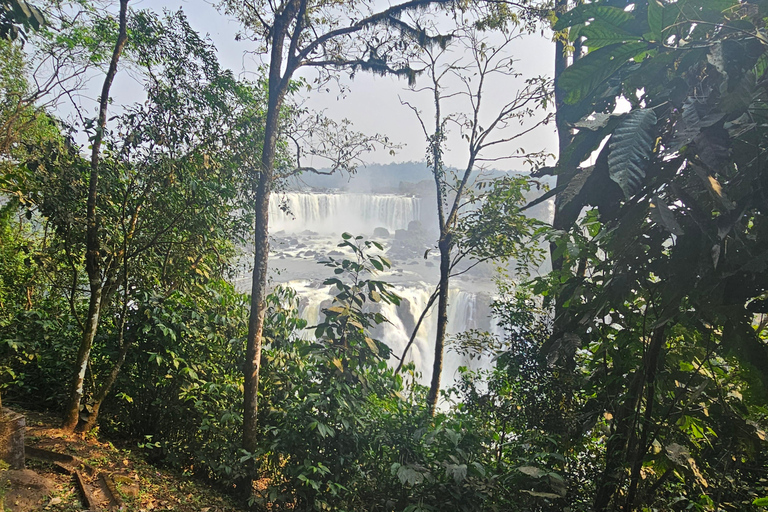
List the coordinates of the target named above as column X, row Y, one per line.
column 631, row 377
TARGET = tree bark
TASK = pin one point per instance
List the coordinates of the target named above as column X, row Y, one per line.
column 92, row 256
column 442, row 320
column 278, row 86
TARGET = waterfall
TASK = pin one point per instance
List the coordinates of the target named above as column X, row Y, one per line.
column 464, row 313
column 335, row 213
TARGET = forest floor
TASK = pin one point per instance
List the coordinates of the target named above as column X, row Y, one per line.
column 139, row 486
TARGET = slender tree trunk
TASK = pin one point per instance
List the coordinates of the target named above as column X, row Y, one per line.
column 106, row 386
column 416, row 329
column 92, row 257
column 277, row 90
column 442, row 320
column 563, row 131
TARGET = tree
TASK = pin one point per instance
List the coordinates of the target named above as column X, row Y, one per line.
column 463, row 232
column 92, row 257
column 665, row 276
column 17, row 17
column 165, row 194
column 315, row 34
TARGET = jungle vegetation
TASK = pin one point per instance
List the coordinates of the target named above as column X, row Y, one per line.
column 632, row 377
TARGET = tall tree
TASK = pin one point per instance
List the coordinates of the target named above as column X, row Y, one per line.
column 665, row 277
column 485, row 128
column 296, row 34
column 92, row 256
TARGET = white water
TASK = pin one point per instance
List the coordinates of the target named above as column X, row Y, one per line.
column 310, row 231
column 295, row 212
column 463, row 315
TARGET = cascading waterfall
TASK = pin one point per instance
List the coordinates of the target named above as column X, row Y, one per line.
column 305, row 227
column 334, row 213
column 463, row 315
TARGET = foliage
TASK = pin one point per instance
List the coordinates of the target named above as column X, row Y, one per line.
column 17, row 17
column 664, row 275
column 179, row 392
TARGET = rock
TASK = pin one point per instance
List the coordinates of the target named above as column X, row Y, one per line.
column 12, row 426
column 335, row 253
column 308, row 232
column 25, row 490
column 126, row 485
column 429, row 264
column 415, row 226
column 381, row 233
column 401, row 234
column 309, row 253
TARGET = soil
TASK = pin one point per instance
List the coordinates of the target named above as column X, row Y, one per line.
column 140, row 486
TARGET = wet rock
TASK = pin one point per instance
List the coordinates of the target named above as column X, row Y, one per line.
column 415, row 226
column 335, row 253
column 429, row 264
column 308, row 232
column 381, row 233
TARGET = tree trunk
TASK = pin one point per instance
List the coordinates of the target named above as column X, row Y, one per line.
column 623, row 444
column 277, row 90
column 103, row 391
column 92, row 256
column 442, row 320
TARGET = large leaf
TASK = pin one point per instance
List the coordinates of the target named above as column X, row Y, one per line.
column 599, row 34
column 664, row 216
column 631, row 147
column 587, row 12
column 587, row 73
column 697, row 115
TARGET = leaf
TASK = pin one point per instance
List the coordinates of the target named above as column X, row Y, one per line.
column 532, row 471
column 599, row 34
column 457, row 471
column 587, row 73
column 408, row 475
column 586, row 12
column 538, row 494
column 760, row 502
column 656, row 18
column 713, row 147
column 595, row 121
column 631, row 146
column 664, row 216
column 372, row 345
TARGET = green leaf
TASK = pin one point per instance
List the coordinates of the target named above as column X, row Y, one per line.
column 587, row 12
column 664, row 216
column 599, row 34
column 631, row 147
column 760, row 502
column 656, row 18
column 586, row 74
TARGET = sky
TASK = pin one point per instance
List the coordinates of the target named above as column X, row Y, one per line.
column 373, row 103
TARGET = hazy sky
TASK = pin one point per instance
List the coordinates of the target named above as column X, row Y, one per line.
column 373, row 103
